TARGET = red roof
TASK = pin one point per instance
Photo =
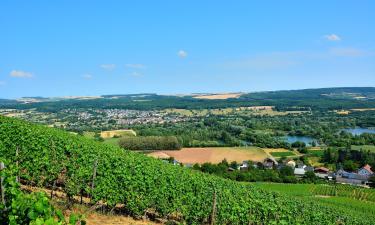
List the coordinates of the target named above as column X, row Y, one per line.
column 368, row 168
column 322, row 169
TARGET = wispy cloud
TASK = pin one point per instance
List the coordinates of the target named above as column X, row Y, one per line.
column 135, row 66
column 182, row 54
column 108, row 66
column 349, row 52
column 332, row 37
column 2, row 83
column 21, row 74
column 87, row 76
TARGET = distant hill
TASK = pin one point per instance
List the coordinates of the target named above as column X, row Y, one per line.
column 323, row 98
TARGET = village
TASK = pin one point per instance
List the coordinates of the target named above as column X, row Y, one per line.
column 361, row 177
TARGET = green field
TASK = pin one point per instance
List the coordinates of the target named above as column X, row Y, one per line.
column 111, row 141
column 315, row 153
column 354, row 199
column 282, row 154
column 370, row 148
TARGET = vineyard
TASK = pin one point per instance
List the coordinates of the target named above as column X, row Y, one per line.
column 17, row 207
column 53, row 159
column 347, row 197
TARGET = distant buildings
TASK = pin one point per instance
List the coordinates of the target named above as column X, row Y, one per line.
column 361, row 177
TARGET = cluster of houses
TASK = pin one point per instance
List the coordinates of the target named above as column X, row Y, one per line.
column 359, row 177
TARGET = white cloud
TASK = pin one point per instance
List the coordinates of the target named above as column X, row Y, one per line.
column 349, row 52
column 108, row 66
column 2, row 83
column 332, row 37
column 21, row 74
column 182, row 54
column 87, row 76
column 135, row 66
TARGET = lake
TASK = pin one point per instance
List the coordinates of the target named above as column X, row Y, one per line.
column 307, row 140
column 360, row 130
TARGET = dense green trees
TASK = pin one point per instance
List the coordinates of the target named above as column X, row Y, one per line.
column 347, row 159
column 150, row 143
column 241, row 129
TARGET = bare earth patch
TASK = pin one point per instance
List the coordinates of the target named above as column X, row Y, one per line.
column 214, row 155
column 100, row 219
column 219, row 96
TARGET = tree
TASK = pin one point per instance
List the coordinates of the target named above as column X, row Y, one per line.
column 286, row 171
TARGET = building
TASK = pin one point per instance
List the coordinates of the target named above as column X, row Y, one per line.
column 321, row 172
column 244, row 166
column 361, row 177
column 269, row 163
column 299, row 172
column 291, row 163
column 365, row 171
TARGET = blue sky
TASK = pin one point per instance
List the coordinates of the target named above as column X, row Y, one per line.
column 74, row 47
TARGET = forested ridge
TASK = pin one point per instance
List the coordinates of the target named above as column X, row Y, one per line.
column 317, row 99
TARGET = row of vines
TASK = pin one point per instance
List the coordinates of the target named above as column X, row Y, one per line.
column 17, row 207
column 344, row 191
column 52, row 158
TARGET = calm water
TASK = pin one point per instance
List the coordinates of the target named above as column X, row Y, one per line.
column 305, row 139
column 359, row 131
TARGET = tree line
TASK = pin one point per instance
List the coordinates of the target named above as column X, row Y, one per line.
column 150, row 143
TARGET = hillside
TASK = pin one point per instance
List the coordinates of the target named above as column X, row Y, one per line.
column 323, row 98
column 146, row 186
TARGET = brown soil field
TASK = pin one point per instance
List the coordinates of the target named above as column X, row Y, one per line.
column 100, row 219
column 214, row 155
column 111, row 133
column 218, row 96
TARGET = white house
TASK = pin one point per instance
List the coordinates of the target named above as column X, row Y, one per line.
column 299, row 172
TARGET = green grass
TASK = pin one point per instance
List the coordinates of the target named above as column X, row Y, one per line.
column 370, row 148
column 282, row 154
column 345, row 197
column 111, row 141
column 89, row 134
column 315, row 153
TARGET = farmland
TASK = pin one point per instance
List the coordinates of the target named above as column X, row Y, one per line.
column 218, row 96
column 216, row 155
column 354, row 199
column 118, row 133
column 282, row 154
column 166, row 189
